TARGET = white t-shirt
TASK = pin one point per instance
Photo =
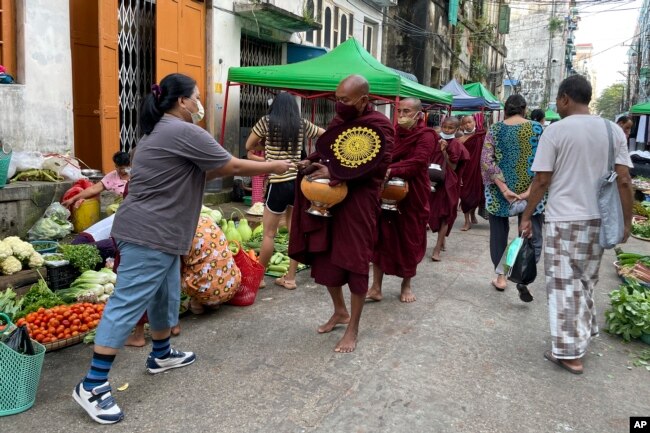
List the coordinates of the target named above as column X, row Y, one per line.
column 576, row 149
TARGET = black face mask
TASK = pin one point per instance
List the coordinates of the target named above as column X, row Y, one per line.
column 346, row 112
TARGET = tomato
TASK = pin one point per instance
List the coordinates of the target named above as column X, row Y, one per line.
column 74, row 328
column 40, row 310
column 53, row 339
column 75, row 333
column 65, row 323
column 54, row 322
column 20, row 322
column 67, row 313
column 39, row 337
column 95, row 323
column 60, row 328
column 76, row 322
column 73, row 317
column 84, row 328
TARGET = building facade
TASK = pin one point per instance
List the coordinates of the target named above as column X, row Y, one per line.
column 438, row 41
column 540, row 49
column 638, row 63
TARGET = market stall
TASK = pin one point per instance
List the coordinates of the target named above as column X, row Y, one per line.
column 319, row 77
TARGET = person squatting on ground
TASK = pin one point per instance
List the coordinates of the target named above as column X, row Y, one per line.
column 508, row 152
column 472, row 196
column 402, row 237
column 340, row 248
column 573, row 253
column 281, row 134
column 153, row 227
column 450, row 155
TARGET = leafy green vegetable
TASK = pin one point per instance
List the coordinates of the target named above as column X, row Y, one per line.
column 629, row 315
column 39, row 295
column 82, row 256
column 641, row 229
column 9, row 304
column 90, row 337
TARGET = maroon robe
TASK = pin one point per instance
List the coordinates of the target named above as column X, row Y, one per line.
column 345, row 240
column 443, row 203
column 402, row 239
column 472, row 195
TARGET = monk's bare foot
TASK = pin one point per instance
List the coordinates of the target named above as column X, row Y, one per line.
column 474, row 220
column 336, row 319
column 436, row 255
column 466, row 226
column 347, row 344
column 374, row 294
column 407, row 295
column 135, row 340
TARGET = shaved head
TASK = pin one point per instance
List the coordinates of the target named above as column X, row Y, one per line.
column 355, row 85
column 414, row 103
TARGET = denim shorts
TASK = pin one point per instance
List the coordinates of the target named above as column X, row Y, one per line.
column 147, row 280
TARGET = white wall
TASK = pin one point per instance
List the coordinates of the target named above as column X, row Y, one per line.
column 36, row 114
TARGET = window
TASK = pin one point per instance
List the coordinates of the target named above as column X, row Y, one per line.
column 344, row 28
column 327, row 28
column 8, row 36
column 310, row 13
column 335, row 33
column 369, row 37
column 319, row 19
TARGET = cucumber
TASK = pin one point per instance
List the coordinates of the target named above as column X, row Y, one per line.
column 278, row 268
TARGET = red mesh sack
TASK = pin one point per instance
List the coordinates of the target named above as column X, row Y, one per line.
column 251, row 276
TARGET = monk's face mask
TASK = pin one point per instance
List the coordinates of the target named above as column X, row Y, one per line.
column 348, row 111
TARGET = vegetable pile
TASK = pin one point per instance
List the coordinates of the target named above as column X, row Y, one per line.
column 53, row 225
column 82, row 256
column 641, row 229
column 629, row 315
column 91, row 286
column 16, row 255
column 633, row 266
column 43, row 175
column 9, row 304
column 38, row 296
column 47, row 325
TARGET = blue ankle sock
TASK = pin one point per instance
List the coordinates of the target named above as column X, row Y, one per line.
column 98, row 373
column 161, row 348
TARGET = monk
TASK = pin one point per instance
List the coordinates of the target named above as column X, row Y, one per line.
column 402, row 240
column 443, row 202
column 472, row 195
column 339, row 249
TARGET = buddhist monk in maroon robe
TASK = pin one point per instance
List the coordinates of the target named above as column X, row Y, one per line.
column 472, row 195
column 402, row 240
column 339, row 249
column 443, row 203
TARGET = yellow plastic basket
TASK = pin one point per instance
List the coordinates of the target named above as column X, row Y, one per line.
column 19, row 375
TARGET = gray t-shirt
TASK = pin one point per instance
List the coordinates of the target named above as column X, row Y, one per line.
column 161, row 209
column 576, row 149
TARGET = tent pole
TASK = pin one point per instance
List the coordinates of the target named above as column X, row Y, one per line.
column 313, row 118
column 225, row 112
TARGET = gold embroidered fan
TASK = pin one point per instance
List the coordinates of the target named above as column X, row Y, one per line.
column 352, row 149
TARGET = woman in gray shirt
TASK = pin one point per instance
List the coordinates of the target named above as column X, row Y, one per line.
column 153, row 227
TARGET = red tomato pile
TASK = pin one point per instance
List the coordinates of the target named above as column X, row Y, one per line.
column 65, row 321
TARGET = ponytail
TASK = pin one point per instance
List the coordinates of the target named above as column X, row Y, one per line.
column 163, row 98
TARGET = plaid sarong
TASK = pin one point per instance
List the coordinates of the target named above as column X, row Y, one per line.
column 571, row 260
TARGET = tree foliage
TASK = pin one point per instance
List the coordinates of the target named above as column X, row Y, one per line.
column 609, row 103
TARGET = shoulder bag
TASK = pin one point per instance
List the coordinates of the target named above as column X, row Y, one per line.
column 609, row 201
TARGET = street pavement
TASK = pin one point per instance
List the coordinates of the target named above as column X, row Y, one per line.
column 463, row 358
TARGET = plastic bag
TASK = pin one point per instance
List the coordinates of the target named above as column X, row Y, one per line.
column 524, row 270
column 19, row 341
column 510, row 254
column 53, row 225
column 64, row 165
column 28, row 160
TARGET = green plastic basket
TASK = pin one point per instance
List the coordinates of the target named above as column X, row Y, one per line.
column 5, row 159
column 19, row 376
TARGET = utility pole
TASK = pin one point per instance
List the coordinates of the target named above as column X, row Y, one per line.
column 549, row 61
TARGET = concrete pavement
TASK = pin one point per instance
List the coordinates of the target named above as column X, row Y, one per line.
column 463, row 358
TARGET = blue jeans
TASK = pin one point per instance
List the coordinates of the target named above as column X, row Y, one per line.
column 147, row 279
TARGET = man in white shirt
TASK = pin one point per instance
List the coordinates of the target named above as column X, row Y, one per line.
column 570, row 161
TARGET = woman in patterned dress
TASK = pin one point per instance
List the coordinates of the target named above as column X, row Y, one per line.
column 506, row 159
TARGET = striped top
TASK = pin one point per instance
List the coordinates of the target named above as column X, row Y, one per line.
column 272, row 149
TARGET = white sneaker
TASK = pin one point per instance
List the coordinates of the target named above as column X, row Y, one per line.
column 175, row 359
column 98, row 403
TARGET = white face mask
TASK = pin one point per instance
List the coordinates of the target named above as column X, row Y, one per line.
column 470, row 132
column 447, row 136
column 198, row 116
column 127, row 171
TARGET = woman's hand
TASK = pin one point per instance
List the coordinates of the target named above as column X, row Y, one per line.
column 280, row 167
column 69, row 202
column 303, row 164
column 510, row 196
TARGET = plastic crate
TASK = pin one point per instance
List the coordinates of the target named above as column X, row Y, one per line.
column 61, row 277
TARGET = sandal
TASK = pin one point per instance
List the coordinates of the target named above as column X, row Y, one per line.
column 287, row 284
column 549, row 355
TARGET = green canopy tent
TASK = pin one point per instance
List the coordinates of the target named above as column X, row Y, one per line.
column 478, row 90
column 319, row 77
column 551, row 115
column 640, row 109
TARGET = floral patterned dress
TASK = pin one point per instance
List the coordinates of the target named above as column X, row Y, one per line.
column 209, row 273
column 508, row 154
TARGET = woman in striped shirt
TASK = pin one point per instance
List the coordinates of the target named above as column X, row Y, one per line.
column 284, row 132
